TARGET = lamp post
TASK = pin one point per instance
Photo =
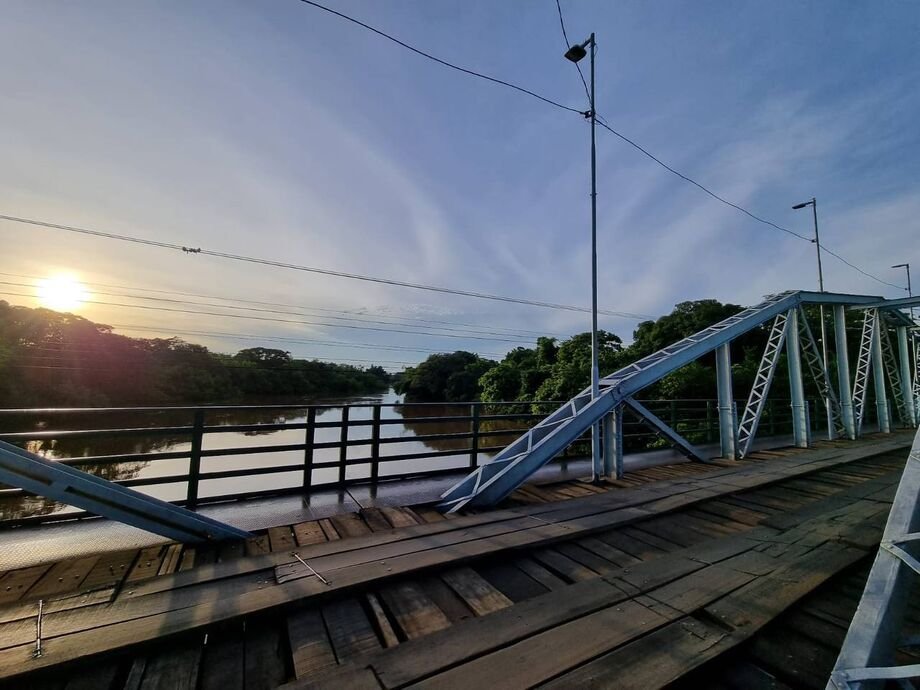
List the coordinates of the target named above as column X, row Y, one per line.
column 909, row 291
column 831, row 432
column 575, row 54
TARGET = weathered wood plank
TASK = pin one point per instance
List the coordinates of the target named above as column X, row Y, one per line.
column 350, row 631
column 311, row 650
column 350, row 525
column 476, row 591
column 147, row 564
column 16, row 583
column 281, row 539
column 62, row 577
column 308, row 533
column 413, row 611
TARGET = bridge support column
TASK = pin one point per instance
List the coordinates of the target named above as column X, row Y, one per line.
column 906, row 392
column 843, row 372
column 613, row 443
column 796, row 387
column 878, row 374
column 728, row 433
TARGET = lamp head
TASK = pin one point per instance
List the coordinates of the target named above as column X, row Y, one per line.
column 900, row 265
column 576, row 53
column 803, row 205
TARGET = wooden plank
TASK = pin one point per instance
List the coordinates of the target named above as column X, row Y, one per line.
column 62, row 577
column 444, row 598
column 350, row 525
column 376, row 520
column 608, row 552
column 16, row 583
column 350, row 632
column 511, row 581
column 413, row 611
column 542, row 656
column 100, row 676
column 258, row 545
column 175, row 620
column 421, row 657
column 310, row 532
column 475, row 590
column 541, row 575
column 171, row 560
column 229, row 551
column 222, row 661
column 147, row 564
column 188, row 560
column 329, row 530
column 311, row 650
column 281, row 539
column 172, row 669
column 684, row 641
column 387, row 634
column 109, row 570
column 563, row 565
column 264, row 661
column 399, row 517
column 428, row 514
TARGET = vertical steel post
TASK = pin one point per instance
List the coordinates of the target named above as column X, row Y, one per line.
column 597, row 462
column 375, row 445
column 907, row 395
column 613, row 443
column 474, row 442
column 843, row 372
column 796, row 386
column 878, row 373
column 194, row 461
column 343, row 447
column 727, row 431
column 308, row 448
column 709, row 421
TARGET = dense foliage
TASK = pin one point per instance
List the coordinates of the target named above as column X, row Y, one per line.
column 554, row 370
column 50, row 358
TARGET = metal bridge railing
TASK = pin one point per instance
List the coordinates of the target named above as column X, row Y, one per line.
column 868, row 657
column 189, row 461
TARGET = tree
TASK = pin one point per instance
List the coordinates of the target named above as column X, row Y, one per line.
column 452, row 377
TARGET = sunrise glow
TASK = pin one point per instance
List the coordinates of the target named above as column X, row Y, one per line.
column 61, row 292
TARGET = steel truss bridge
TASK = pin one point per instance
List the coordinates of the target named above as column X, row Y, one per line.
column 886, row 357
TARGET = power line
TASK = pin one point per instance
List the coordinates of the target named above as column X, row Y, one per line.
column 313, row 269
column 568, row 45
column 445, row 63
column 290, row 313
column 602, row 122
column 277, row 320
column 354, row 313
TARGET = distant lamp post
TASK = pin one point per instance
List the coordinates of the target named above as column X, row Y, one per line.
column 576, row 53
column 831, row 432
column 909, row 291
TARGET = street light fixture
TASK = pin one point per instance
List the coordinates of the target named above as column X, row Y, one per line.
column 817, row 242
column 909, row 291
column 575, row 53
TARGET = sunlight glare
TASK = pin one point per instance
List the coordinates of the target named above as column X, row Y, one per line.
column 61, row 292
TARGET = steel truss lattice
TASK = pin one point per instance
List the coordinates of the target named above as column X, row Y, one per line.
column 819, row 373
column 876, row 631
column 750, row 419
column 490, row 483
column 863, row 367
column 894, row 376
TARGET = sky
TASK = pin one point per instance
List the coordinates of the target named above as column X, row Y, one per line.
column 275, row 130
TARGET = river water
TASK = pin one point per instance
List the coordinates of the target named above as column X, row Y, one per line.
column 409, row 425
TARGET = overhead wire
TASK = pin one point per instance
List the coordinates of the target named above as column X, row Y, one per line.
column 241, row 300
column 313, row 269
column 277, row 320
column 609, row 128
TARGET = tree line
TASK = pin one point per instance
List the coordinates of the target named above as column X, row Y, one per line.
column 559, row 370
column 50, row 358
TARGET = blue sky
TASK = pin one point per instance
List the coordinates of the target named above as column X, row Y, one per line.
column 276, row 130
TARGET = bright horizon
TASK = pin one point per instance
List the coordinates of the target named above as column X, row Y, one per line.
column 280, row 132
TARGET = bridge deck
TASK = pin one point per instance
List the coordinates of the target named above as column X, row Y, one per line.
column 637, row 586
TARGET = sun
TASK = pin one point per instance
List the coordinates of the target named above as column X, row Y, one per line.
column 61, row 292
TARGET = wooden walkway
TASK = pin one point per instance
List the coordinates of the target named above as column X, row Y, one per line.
column 634, row 587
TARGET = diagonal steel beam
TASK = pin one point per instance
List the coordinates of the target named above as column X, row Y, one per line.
column 69, row 485
column 819, row 373
column 750, row 419
column 682, row 444
column 863, row 367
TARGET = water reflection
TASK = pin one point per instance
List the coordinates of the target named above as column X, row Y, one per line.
column 402, row 425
